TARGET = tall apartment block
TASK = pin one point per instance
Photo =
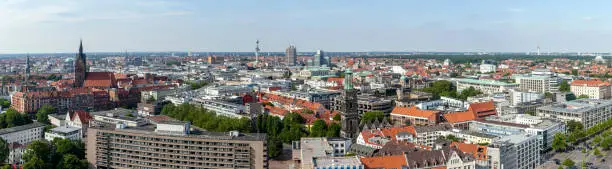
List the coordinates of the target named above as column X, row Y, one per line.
column 173, row 144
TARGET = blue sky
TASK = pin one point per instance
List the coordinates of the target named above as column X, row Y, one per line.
column 333, row 25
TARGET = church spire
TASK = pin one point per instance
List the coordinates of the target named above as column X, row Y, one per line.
column 81, row 47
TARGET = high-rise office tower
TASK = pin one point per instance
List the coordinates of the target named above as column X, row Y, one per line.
column 291, row 54
column 319, row 58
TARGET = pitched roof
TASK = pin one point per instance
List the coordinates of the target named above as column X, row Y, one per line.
column 415, row 112
column 590, row 83
column 84, row 116
column 388, row 162
column 100, row 79
column 479, row 152
column 482, row 109
column 458, row 117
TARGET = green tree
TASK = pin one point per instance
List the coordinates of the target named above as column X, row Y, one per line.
column 372, row 116
column 531, row 113
column 574, row 126
column 35, row 163
column 559, row 142
column 596, row 152
column 548, row 95
column 569, row 163
column 71, row 161
column 453, row 138
column 333, row 130
column 38, row 149
column 4, row 150
column 574, row 72
column 583, row 96
column 319, row 129
column 337, row 117
column 6, row 166
column 5, row 103
column 564, row 86
column 275, row 147
column 46, row 109
column 570, row 97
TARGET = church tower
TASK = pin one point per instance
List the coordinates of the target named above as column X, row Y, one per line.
column 348, row 108
column 80, row 67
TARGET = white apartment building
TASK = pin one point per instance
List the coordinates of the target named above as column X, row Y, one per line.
column 595, row 89
column 540, row 84
column 64, row 132
column 486, row 86
column 308, row 150
column 222, row 108
column 586, row 111
column 19, row 137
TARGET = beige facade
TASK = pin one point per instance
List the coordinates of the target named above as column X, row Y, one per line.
column 599, row 91
column 134, row 148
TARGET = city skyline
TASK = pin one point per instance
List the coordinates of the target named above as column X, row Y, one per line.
column 446, row 26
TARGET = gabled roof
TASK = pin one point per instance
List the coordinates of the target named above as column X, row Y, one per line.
column 458, row 117
column 482, row 106
column 84, row 116
column 100, row 79
column 387, row 162
column 479, row 152
column 415, row 112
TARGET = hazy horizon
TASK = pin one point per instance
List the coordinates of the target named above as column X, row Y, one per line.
column 37, row 26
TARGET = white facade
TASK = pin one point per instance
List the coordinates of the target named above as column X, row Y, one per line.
column 486, row 86
column 488, row 68
column 593, row 91
column 540, row 84
column 223, row 108
column 19, row 137
column 64, row 132
column 518, row 97
column 521, row 151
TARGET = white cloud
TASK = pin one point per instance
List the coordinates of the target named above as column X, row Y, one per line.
column 587, row 18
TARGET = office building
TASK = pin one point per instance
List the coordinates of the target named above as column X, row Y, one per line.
column 486, row 86
column 586, row 111
column 19, row 137
column 520, row 151
column 319, row 59
column 173, row 144
column 223, row 108
column 291, row 54
column 536, row 83
column 594, row 89
column 519, row 97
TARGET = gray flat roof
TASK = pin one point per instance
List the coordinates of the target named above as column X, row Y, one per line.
column 21, row 128
column 577, row 106
column 64, row 129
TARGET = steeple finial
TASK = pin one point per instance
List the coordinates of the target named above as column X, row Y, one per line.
column 81, row 47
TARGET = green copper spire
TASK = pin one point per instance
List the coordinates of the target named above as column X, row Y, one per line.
column 348, row 79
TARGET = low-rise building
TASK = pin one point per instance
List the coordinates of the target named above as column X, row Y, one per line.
column 414, row 116
column 595, row 89
column 486, row 86
column 307, row 151
column 222, row 108
column 19, row 137
column 64, row 132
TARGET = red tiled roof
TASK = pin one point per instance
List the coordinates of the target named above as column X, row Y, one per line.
column 483, row 108
column 84, row 116
column 590, row 83
column 479, row 152
column 100, row 79
column 387, row 162
column 415, row 112
column 458, row 117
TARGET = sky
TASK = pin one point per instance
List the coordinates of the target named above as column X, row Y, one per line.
column 44, row 26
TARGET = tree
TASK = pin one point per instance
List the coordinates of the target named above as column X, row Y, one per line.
column 559, row 142
column 35, row 163
column 568, row 163
column 337, row 117
column 71, row 161
column 38, row 149
column 275, row 147
column 564, row 86
column 596, row 152
column 583, row 96
column 42, row 117
column 574, row 72
column 5, row 103
column 574, row 126
column 333, row 130
column 454, row 138
column 4, row 150
column 548, row 95
column 6, row 167
column 46, row 109
column 372, row 116
column 570, row 97
column 319, row 129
